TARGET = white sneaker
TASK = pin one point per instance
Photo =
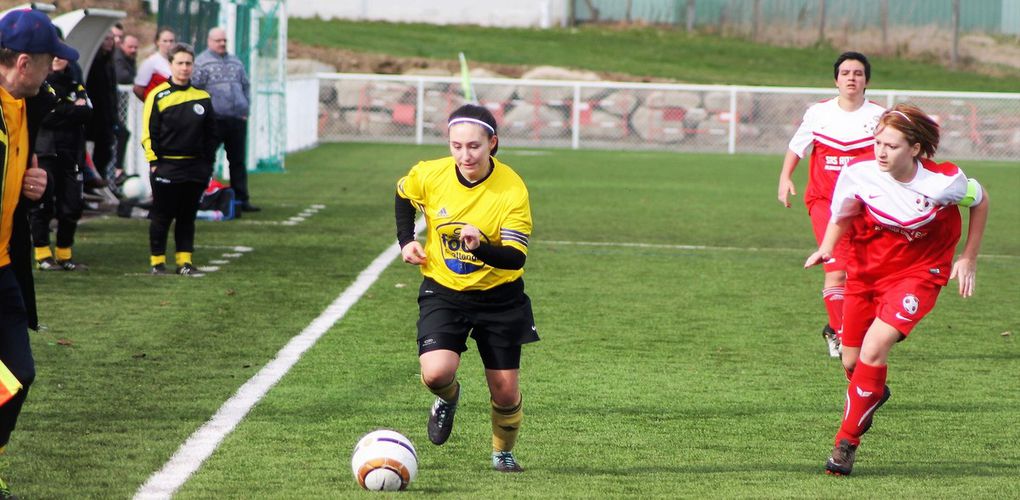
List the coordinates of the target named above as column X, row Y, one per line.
column 832, row 342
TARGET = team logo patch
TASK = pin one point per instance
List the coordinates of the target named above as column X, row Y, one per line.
column 199, row 109
column 910, row 303
column 457, row 259
column 922, row 204
column 869, row 127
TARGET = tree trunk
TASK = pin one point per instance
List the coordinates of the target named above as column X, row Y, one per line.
column 755, row 20
column 821, row 21
column 594, row 11
column 885, row 26
column 690, row 15
column 955, row 58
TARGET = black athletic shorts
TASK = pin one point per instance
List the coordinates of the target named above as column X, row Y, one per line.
column 499, row 319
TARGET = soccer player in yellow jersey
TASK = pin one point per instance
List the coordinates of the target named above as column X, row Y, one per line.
column 478, row 223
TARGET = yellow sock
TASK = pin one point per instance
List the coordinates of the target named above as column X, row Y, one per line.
column 506, row 424
column 182, row 258
column 155, row 260
column 447, row 392
column 64, row 253
column 43, row 252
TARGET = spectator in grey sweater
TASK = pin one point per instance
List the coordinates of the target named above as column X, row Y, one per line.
column 223, row 76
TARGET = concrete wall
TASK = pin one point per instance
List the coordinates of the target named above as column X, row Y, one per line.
column 502, row 13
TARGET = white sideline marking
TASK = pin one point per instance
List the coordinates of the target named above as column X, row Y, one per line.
column 806, row 250
column 204, row 441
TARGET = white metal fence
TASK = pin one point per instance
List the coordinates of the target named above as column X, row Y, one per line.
column 614, row 115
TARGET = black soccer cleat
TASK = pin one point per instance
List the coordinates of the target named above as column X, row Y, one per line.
column 47, row 264
column 187, row 269
column 885, row 397
column 503, row 461
column 831, row 341
column 441, row 419
column 70, row 265
column 158, row 270
column 841, row 463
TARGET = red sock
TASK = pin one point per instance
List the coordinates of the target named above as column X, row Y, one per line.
column 833, row 298
column 862, row 394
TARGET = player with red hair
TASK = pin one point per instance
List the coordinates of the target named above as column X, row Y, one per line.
column 900, row 209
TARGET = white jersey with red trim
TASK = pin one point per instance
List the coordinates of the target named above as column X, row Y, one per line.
column 903, row 228
column 837, row 136
column 153, row 71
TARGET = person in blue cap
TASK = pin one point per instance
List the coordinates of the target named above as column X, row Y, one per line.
column 28, row 44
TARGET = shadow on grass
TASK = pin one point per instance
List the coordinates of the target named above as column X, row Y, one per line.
column 919, row 470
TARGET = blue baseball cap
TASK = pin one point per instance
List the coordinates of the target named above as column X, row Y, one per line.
column 31, row 31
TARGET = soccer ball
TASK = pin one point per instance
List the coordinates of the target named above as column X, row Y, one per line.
column 134, row 188
column 384, row 460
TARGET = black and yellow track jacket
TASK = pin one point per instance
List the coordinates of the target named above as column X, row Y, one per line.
column 20, row 247
column 178, row 133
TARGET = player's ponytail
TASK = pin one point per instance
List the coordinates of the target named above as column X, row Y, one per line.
column 479, row 115
column 916, row 126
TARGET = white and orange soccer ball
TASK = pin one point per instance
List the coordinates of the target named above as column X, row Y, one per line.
column 384, row 460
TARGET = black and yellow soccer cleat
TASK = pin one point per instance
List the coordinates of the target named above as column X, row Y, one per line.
column 5, row 492
column 70, row 265
column 47, row 264
column 503, row 461
column 187, row 269
column 441, row 419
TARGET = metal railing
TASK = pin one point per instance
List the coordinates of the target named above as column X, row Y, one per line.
column 614, row 115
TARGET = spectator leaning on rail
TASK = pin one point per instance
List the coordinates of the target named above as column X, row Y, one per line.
column 223, row 76
column 125, row 60
column 28, row 43
column 102, row 128
column 124, row 64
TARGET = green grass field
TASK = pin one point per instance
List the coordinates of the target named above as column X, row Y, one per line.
column 640, row 51
column 663, row 371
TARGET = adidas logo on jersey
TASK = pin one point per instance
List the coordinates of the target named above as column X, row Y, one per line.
column 442, row 212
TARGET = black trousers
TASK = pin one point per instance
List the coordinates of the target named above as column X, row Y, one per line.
column 122, row 135
column 15, row 350
column 173, row 202
column 233, row 134
column 105, row 151
column 63, row 199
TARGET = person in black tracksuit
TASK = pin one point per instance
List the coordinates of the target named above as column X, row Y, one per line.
column 178, row 134
column 60, row 148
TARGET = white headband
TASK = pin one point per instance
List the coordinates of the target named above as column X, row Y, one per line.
column 903, row 115
column 471, row 120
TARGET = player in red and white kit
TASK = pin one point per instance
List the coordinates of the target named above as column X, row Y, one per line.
column 901, row 210
column 839, row 130
column 155, row 69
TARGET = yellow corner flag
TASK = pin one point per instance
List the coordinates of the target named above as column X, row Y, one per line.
column 9, row 385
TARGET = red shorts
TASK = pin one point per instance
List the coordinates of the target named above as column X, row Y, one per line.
column 901, row 304
column 820, row 215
